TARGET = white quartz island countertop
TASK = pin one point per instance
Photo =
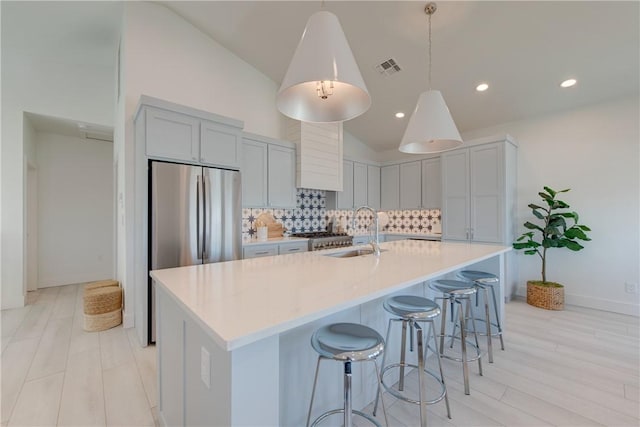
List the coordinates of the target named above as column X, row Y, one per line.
column 240, row 302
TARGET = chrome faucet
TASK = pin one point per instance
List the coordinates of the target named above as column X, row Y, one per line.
column 375, row 242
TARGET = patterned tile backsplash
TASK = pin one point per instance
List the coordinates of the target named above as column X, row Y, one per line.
column 311, row 215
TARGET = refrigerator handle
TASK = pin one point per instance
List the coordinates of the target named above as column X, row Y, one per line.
column 198, row 218
column 204, row 218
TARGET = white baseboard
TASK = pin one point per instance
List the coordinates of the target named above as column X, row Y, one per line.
column 622, row 307
column 128, row 320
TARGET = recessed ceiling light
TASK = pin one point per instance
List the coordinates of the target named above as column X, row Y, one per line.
column 482, row 87
column 400, row 114
column 568, row 83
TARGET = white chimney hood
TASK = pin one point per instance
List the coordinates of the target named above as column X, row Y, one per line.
column 319, row 154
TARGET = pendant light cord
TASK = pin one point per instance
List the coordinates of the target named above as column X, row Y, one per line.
column 430, row 51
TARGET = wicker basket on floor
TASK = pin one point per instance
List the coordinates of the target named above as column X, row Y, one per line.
column 102, row 305
column 549, row 296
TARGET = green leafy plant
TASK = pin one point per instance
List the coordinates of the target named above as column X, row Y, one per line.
column 560, row 229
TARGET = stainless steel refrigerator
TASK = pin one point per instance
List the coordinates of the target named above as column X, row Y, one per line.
column 195, row 218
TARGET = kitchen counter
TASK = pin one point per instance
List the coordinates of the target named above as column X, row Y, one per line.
column 253, row 318
column 272, row 241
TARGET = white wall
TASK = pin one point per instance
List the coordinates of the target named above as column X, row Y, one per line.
column 75, row 91
column 75, row 210
column 353, row 148
column 166, row 57
column 594, row 151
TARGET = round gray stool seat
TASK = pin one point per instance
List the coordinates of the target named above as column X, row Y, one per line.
column 479, row 277
column 347, row 341
column 453, row 287
column 411, row 307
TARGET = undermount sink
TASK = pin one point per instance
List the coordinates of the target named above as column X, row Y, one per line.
column 352, row 253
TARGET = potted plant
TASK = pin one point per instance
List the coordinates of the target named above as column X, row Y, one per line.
column 559, row 229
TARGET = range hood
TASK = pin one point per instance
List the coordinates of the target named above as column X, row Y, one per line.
column 319, row 154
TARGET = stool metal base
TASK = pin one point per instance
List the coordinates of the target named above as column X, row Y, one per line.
column 458, row 294
column 413, row 320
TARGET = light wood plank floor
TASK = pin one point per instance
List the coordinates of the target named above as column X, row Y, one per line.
column 55, row 373
column 577, row 367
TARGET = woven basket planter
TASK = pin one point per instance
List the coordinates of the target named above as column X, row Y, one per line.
column 102, row 300
column 102, row 322
column 102, row 305
column 549, row 296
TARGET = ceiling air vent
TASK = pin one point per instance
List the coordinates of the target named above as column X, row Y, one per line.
column 388, row 67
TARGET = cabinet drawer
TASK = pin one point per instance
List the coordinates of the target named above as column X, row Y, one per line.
column 288, row 248
column 360, row 240
column 260, row 251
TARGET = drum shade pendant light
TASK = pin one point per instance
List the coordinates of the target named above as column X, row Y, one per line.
column 323, row 82
column 431, row 128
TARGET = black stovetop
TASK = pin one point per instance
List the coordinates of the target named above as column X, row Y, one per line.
column 318, row 234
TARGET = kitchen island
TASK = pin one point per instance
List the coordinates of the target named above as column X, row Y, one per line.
column 233, row 337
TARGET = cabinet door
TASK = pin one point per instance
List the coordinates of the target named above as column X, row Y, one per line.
column 455, row 195
column 282, row 177
column 254, row 174
column 389, row 187
column 344, row 198
column 258, row 251
column 359, row 184
column 373, row 186
column 410, row 185
column 172, row 136
column 220, row 145
column 290, row 248
column 431, row 184
column 486, row 166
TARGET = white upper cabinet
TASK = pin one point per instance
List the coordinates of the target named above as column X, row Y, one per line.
column 177, row 133
column 431, row 184
column 219, row 145
column 254, row 173
column 282, row 177
column 360, row 190
column 373, row 186
column 390, row 187
column 479, row 185
column 356, row 187
column 268, row 172
column 410, row 185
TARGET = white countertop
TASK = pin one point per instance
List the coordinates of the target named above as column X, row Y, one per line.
column 240, row 302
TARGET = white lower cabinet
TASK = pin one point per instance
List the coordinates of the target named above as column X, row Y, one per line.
column 271, row 249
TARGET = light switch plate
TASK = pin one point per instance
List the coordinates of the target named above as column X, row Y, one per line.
column 205, row 367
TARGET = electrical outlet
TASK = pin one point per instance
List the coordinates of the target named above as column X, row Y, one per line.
column 205, row 367
column 631, row 288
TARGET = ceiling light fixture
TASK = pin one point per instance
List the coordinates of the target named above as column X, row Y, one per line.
column 400, row 114
column 482, row 87
column 568, row 83
column 431, row 128
column 323, row 82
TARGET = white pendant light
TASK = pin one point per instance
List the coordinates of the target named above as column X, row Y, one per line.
column 323, row 82
column 431, row 128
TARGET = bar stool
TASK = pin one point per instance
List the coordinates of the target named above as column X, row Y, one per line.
column 487, row 281
column 458, row 295
column 347, row 343
column 413, row 310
